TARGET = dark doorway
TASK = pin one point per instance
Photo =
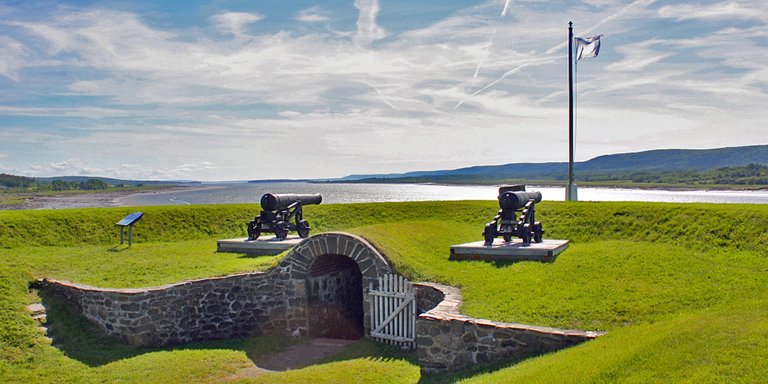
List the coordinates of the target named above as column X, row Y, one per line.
column 335, row 298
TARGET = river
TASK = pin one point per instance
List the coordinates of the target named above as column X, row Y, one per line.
column 230, row 193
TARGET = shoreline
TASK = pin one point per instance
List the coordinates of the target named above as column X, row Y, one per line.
column 85, row 200
column 669, row 188
column 117, row 198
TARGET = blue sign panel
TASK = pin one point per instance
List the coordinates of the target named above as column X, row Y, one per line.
column 130, row 219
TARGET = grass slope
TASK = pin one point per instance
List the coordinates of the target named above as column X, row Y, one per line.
column 680, row 288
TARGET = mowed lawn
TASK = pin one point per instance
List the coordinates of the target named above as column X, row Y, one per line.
column 679, row 288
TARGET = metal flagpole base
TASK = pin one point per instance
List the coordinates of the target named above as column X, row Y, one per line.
column 570, row 192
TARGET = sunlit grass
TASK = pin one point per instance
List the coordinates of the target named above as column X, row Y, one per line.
column 680, row 289
column 141, row 265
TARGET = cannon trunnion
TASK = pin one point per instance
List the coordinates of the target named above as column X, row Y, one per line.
column 277, row 212
column 507, row 224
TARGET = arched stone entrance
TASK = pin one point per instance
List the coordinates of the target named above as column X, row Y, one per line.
column 335, row 298
column 333, row 271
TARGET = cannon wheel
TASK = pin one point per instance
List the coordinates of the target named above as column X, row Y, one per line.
column 303, row 229
column 525, row 234
column 281, row 230
column 489, row 233
column 538, row 232
column 254, row 230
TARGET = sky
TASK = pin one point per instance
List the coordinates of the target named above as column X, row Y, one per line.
column 242, row 89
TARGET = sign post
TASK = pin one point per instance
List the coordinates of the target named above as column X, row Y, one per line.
column 128, row 221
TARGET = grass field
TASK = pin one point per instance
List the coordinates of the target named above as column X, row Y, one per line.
column 680, row 288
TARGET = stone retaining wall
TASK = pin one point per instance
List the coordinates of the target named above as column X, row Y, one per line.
column 281, row 301
column 448, row 341
column 223, row 307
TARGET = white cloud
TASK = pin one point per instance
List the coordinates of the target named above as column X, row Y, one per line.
column 73, row 167
column 721, row 10
column 78, row 167
column 80, row 111
column 187, row 105
column 312, row 15
column 235, row 22
column 14, row 55
column 367, row 28
column 638, row 56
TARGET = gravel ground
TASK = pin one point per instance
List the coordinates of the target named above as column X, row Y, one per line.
column 81, row 200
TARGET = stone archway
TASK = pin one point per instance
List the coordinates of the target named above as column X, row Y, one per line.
column 332, row 273
column 335, row 298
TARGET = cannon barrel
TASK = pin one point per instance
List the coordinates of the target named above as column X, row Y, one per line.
column 511, row 188
column 276, row 202
column 516, row 200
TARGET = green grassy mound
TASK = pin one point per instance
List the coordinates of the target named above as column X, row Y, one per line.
column 679, row 288
column 723, row 344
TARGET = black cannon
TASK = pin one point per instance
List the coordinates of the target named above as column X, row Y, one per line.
column 514, row 198
column 277, row 212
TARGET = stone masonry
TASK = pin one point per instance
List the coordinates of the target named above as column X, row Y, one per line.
column 448, row 341
column 232, row 306
column 286, row 300
column 221, row 307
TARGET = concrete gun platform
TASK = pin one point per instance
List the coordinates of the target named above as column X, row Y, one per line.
column 515, row 250
column 261, row 246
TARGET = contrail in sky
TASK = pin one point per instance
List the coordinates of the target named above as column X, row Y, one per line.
column 378, row 92
column 622, row 11
column 490, row 44
column 487, row 53
column 636, row 3
column 511, row 71
column 506, row 7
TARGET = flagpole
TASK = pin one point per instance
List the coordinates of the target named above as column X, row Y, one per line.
column 570, row 192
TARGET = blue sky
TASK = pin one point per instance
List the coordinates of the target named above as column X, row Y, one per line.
column 223, row 90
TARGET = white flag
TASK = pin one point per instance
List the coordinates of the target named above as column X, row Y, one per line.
column 587, row 47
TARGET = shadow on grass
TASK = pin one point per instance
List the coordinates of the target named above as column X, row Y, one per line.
column 466, row 374
column 368, row 349
column 81, row 340
column 252, row 256
column 119, row 248
column 505, row 263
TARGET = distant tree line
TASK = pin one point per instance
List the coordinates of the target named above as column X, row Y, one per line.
column 752, row 174
column 12, row 181
column 22, row 182
column 88, row 185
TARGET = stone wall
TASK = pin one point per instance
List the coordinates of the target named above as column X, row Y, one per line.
column 316, row 274
column 448, row 341
column 225, row 307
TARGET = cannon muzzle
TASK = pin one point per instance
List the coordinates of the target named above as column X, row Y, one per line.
column 516, row 200
column 276, row 202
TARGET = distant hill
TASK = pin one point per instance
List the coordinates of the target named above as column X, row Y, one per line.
column 679, row 159
column 110, row 181
column 663, row 160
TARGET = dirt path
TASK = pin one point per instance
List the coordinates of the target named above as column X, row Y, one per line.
column 297, row 356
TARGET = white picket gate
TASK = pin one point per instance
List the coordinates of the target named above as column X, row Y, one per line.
column 393, row 311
